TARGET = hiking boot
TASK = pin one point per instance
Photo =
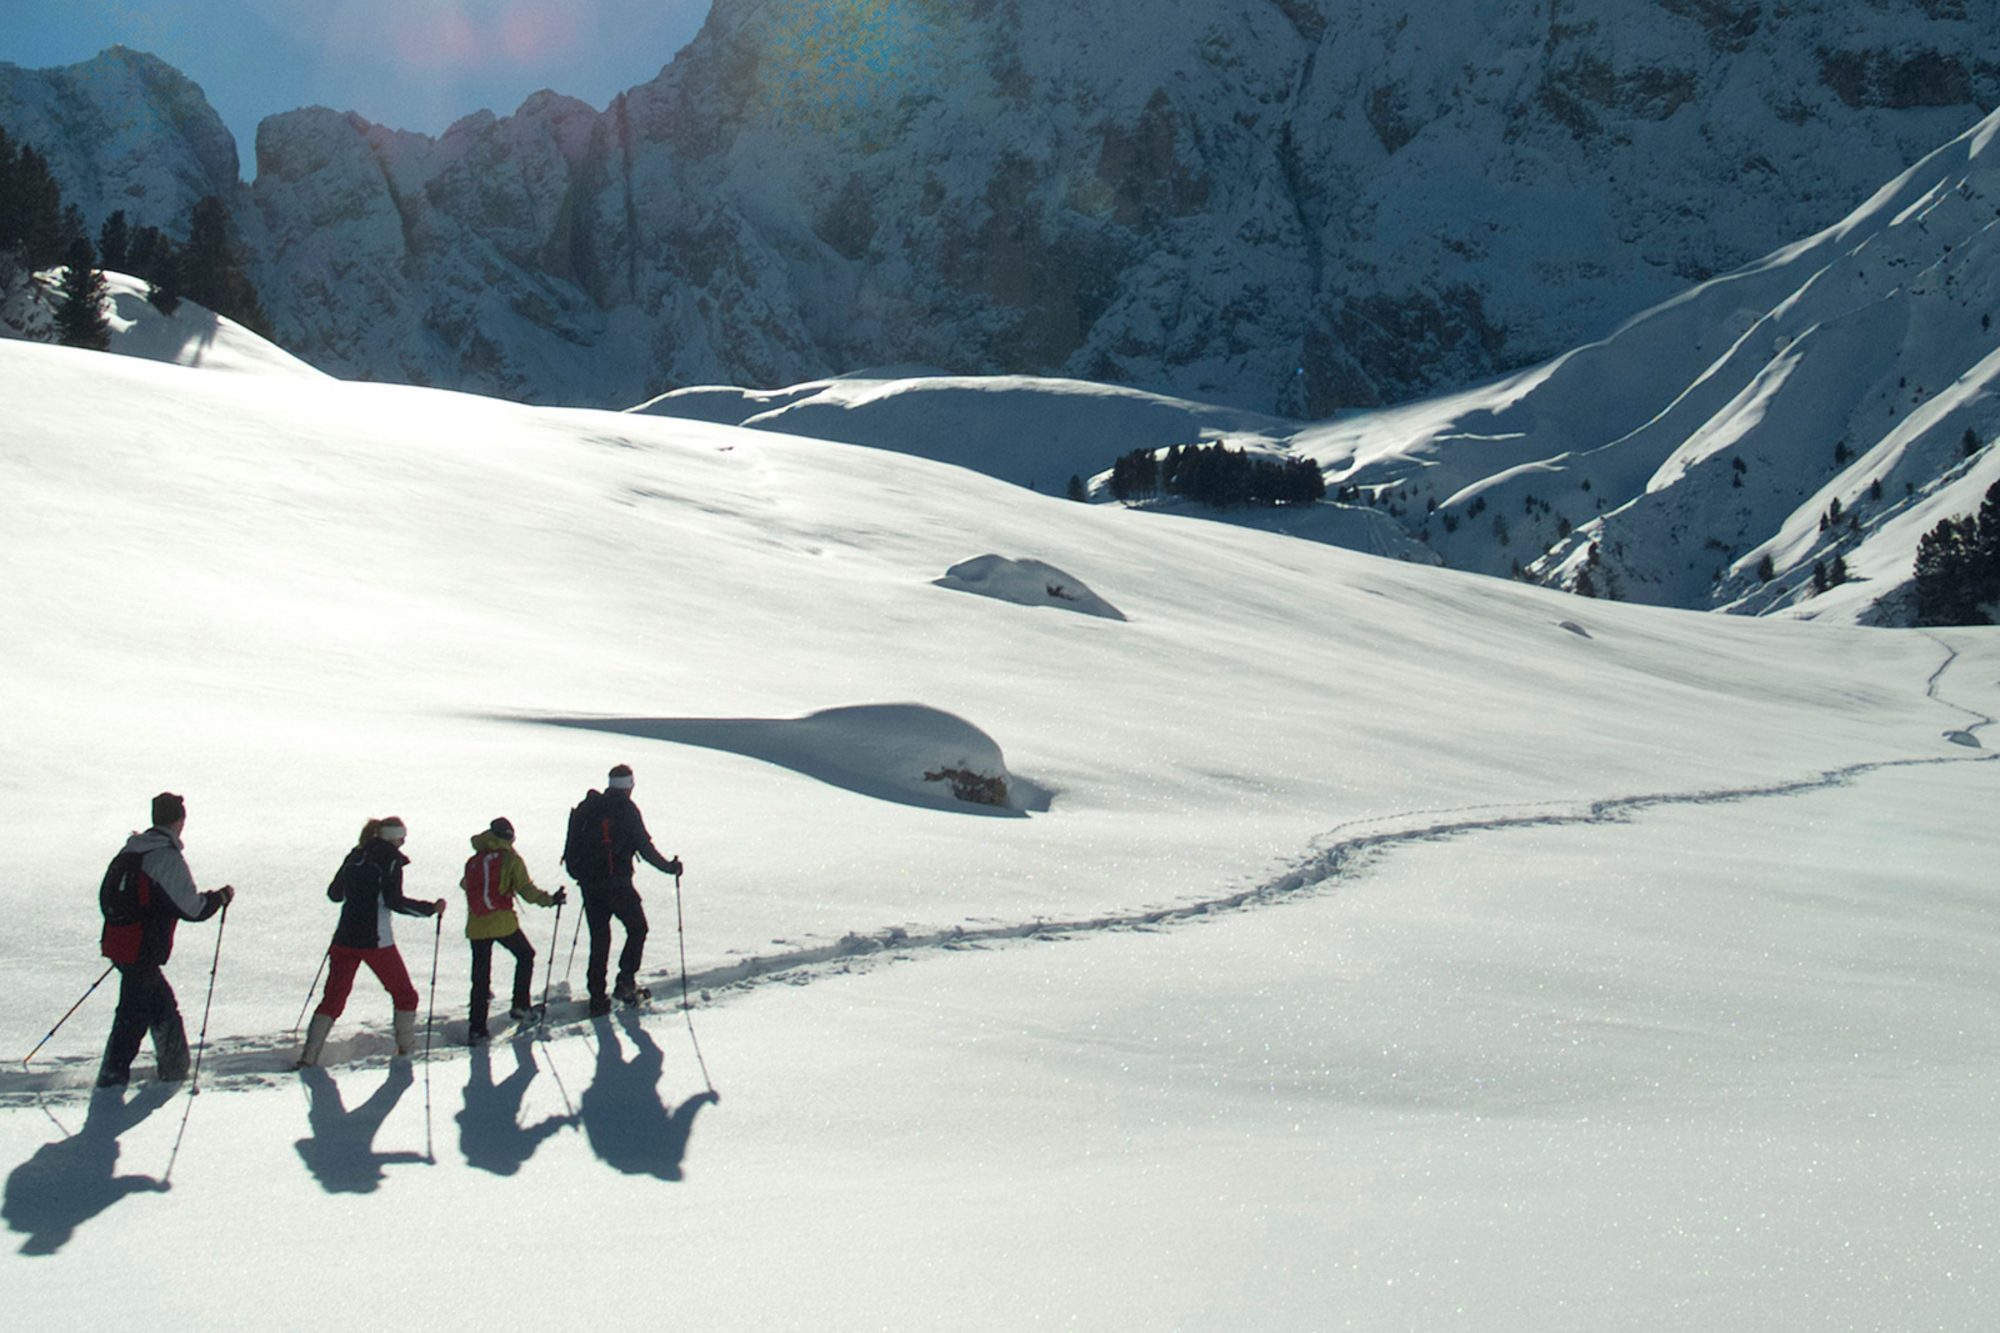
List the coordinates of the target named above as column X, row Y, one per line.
column 479, row 1038
column 406, row 1032
column 627, row 993
column 315, row 1041
column 528, row 1013
column 600, row 1005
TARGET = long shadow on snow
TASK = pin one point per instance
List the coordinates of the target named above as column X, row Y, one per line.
column 67, row 1183
column 629, row 1126
column 341, row 1152
column 490, row 1134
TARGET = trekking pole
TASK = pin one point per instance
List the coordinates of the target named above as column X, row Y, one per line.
column 575, row 931
column 437, row 939
column 201, row 1042
column 549, row 973
column 201, row 1046
column 65, row 1018
column 687, row 1007
column 310, row 989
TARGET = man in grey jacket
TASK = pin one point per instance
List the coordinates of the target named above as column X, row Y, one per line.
column 146, row 893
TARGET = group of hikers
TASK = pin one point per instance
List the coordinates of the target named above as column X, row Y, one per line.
column 148, row 890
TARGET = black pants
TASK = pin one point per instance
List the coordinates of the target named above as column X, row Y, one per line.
column 600, row 905
column 145, row 1004
column 482, row 974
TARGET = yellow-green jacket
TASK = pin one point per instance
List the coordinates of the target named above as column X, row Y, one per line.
column 493, row 877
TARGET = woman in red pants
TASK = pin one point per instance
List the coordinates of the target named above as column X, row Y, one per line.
column 369, row 888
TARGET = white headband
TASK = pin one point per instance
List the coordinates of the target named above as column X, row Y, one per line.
column 621, row 783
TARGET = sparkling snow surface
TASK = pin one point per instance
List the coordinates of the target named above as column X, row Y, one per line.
column 1383, row 947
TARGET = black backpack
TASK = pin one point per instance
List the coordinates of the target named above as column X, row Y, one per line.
column 126, row 900
column 587, row 845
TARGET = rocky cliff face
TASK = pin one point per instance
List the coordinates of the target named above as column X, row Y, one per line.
column 123, row 131
column 1299, row 205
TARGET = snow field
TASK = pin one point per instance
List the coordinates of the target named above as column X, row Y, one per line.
column 1489, row 1077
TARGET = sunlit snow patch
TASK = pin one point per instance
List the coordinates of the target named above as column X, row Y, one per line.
column 907, row 753
column 1027, row 582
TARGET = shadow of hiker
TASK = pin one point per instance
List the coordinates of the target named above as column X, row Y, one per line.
column 629, row 1127
column 341, row 1152
column 490, row 1134
column 68, row 1182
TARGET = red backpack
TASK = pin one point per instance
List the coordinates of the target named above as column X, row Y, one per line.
column 483, row 895
column 126, row 899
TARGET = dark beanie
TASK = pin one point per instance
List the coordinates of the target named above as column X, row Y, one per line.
column 502, row 828
column 168, row 809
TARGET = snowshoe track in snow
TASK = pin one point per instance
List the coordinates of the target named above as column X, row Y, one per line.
column 1342, row 853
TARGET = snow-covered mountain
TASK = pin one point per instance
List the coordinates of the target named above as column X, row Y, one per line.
column 124, row 131
column 1289, row 205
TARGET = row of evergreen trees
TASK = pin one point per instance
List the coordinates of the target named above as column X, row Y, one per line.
column 1217, row 476
column 1958, row 567
column 39, row 231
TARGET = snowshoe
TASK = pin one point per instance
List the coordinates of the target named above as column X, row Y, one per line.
column 528, row 1015
column 632, row 996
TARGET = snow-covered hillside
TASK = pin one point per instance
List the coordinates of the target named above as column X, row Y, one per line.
column 1355, row 937
column 1290, row 205
column 1843, row 375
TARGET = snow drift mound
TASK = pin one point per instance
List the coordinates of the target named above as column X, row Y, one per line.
column 907, row 753
column 1028, row 583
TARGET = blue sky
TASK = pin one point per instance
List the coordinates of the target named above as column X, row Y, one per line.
column 409, row 64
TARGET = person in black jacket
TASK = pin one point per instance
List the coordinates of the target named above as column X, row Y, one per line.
column 369, row 888
column 148, row 891
column 606, row 832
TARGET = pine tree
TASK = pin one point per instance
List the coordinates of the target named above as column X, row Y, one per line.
column 80, row 290
column 33, row 221
column 1946, row 574
column 1077, row 490
column 1766, row 569
column 211, row 272
column 114, row 243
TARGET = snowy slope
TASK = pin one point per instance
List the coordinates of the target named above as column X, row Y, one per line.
column 1527, row 919
column 192, row 336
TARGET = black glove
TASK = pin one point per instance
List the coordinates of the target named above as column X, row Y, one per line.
column 674, row 867
column 560, row 896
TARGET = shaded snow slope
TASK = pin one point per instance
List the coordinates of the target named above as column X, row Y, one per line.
column 1033, row 432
